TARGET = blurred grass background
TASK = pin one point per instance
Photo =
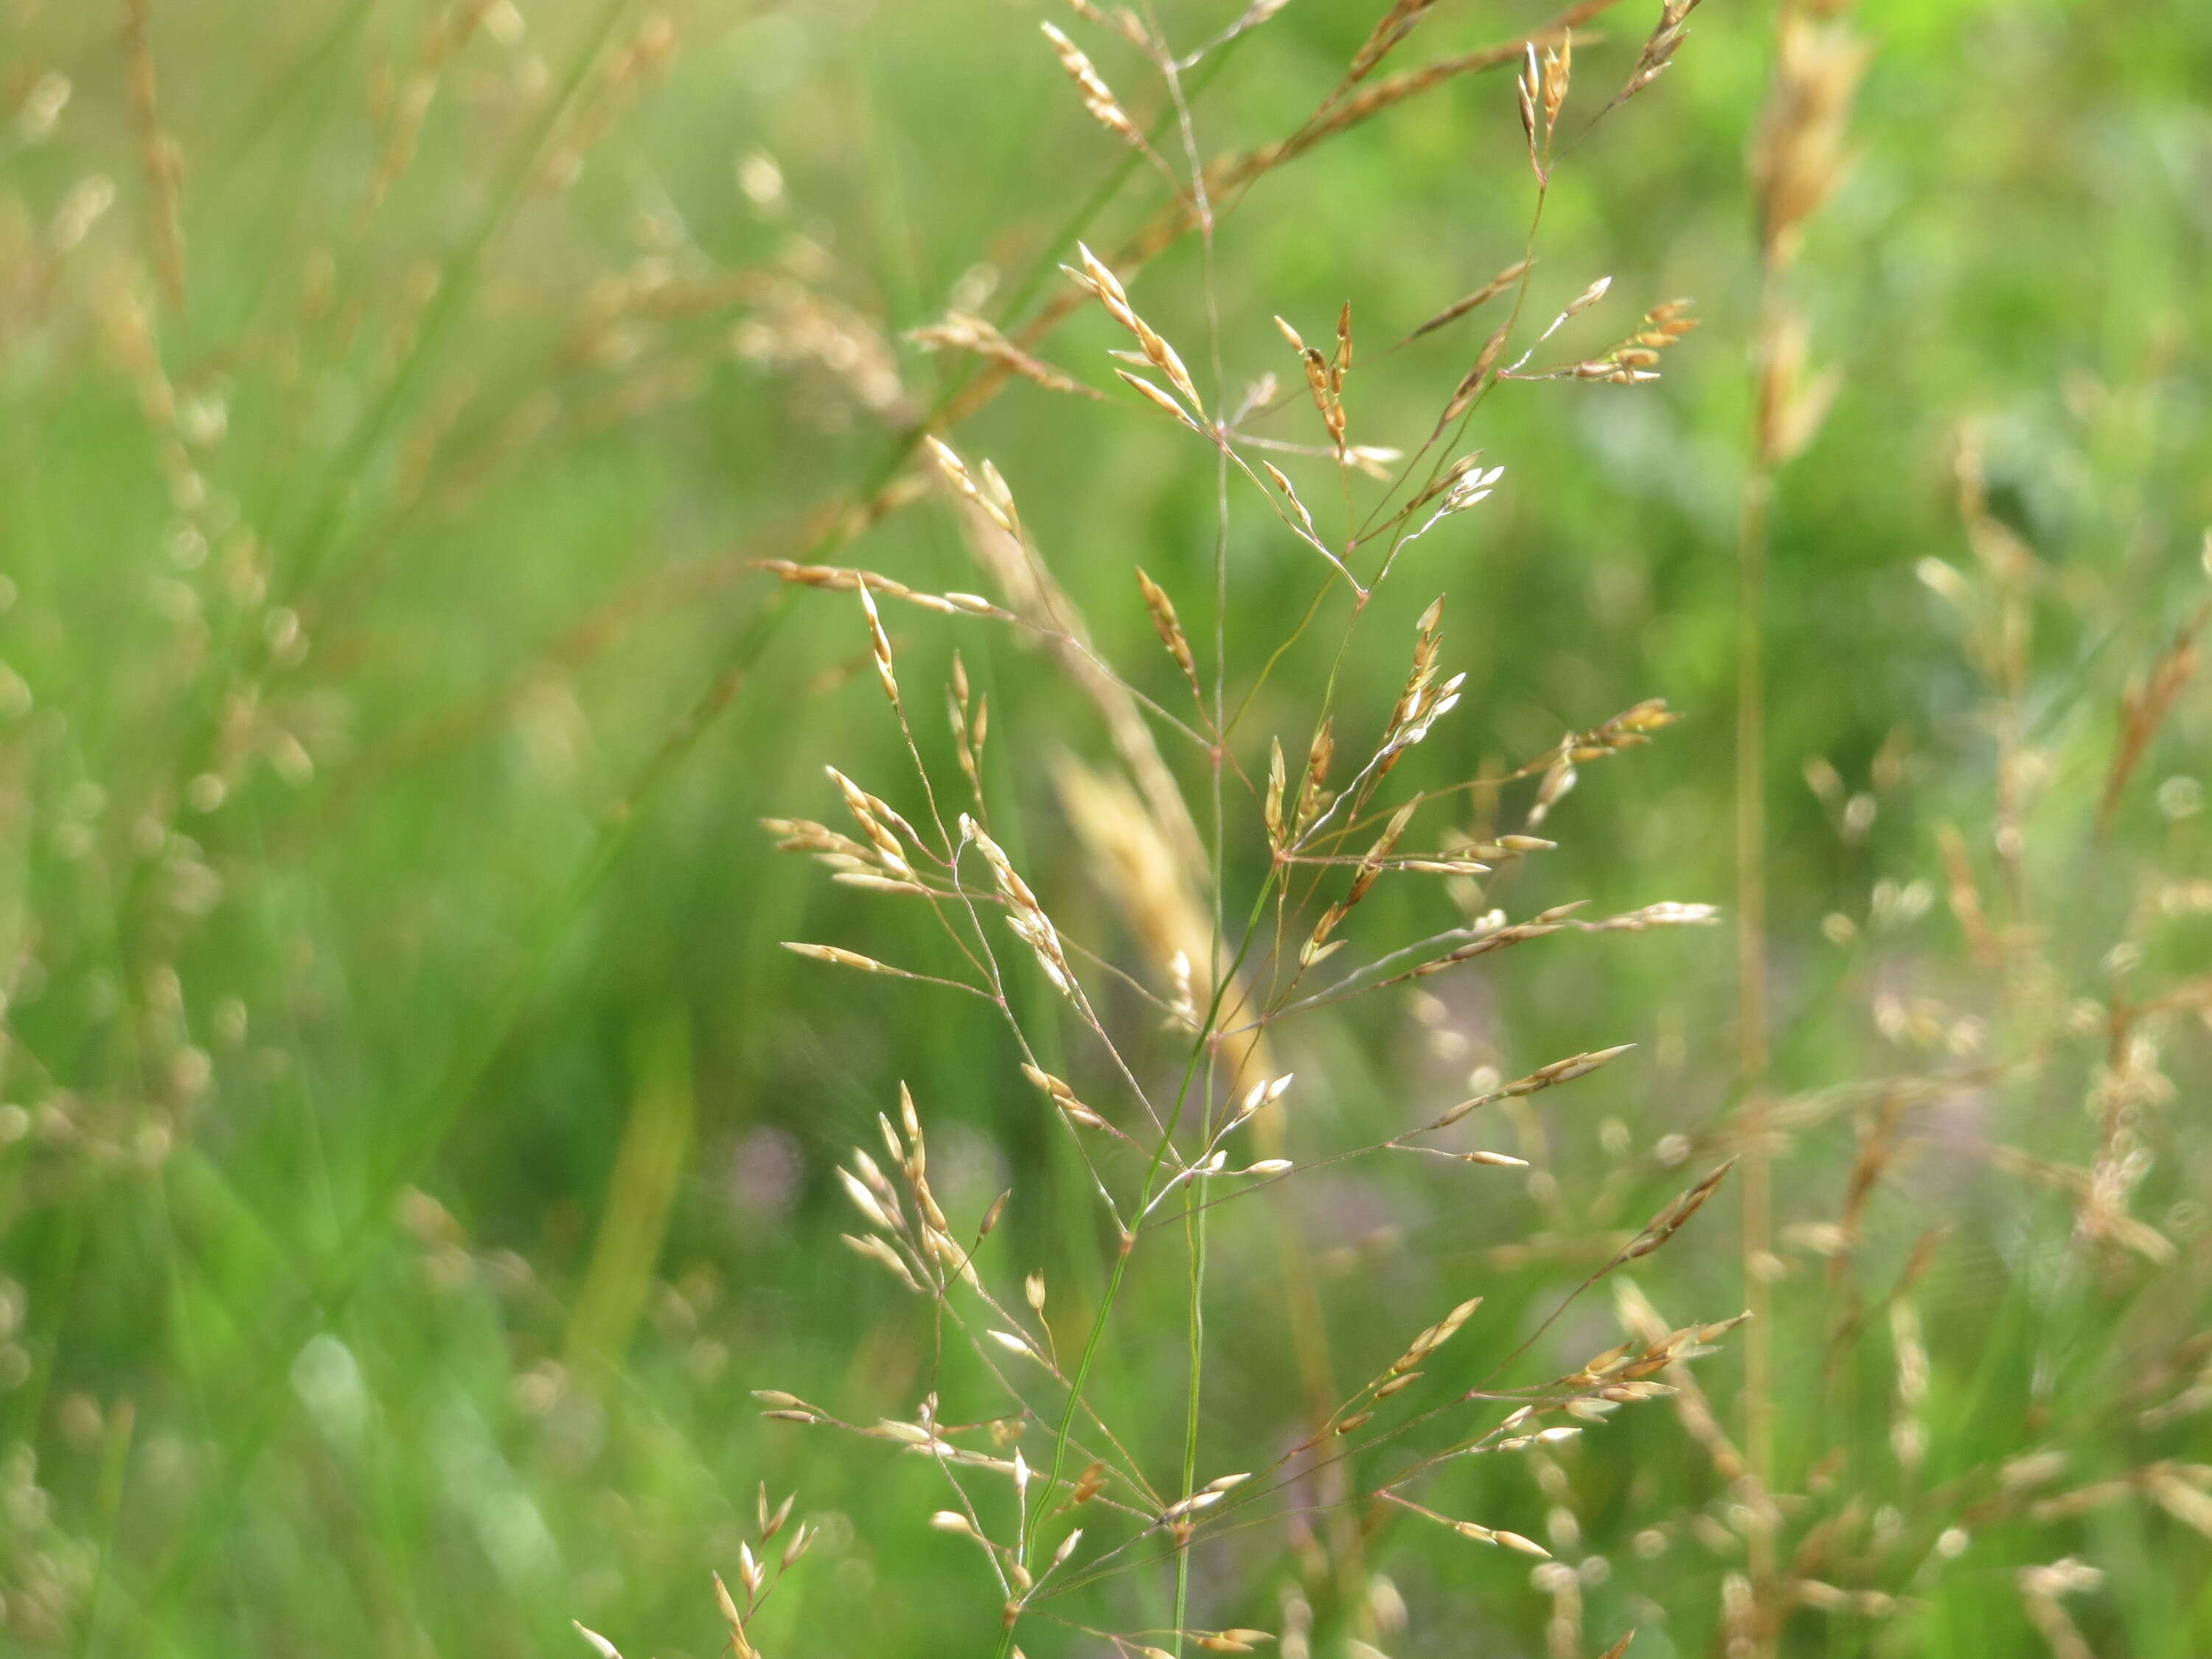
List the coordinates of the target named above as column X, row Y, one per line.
column 416, row 1145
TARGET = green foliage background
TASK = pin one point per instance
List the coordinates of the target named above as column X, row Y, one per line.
column 297, row 1356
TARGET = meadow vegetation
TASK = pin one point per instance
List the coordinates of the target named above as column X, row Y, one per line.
column 993, row 827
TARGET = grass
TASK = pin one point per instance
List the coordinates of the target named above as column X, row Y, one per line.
column 414, row 1145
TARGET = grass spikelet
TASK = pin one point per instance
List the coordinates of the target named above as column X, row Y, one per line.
column 1459, row 308
column 1027, row 917
column 957, row 474
column 837, row 956
column 1290, row 494
column 961, row 331
column 880, row 647
column 1659, row 48
column 1169, row 629
column 1099, row 101
column 1395, row 24
column 1671, row 1219
column 1098, row 276
column 1472, row 383
column 1152, row 394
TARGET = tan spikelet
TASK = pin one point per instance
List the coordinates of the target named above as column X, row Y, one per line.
column 1097, row 98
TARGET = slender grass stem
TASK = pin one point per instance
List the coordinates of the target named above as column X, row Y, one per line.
column 1752, row 1017
column 1120, row 1273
